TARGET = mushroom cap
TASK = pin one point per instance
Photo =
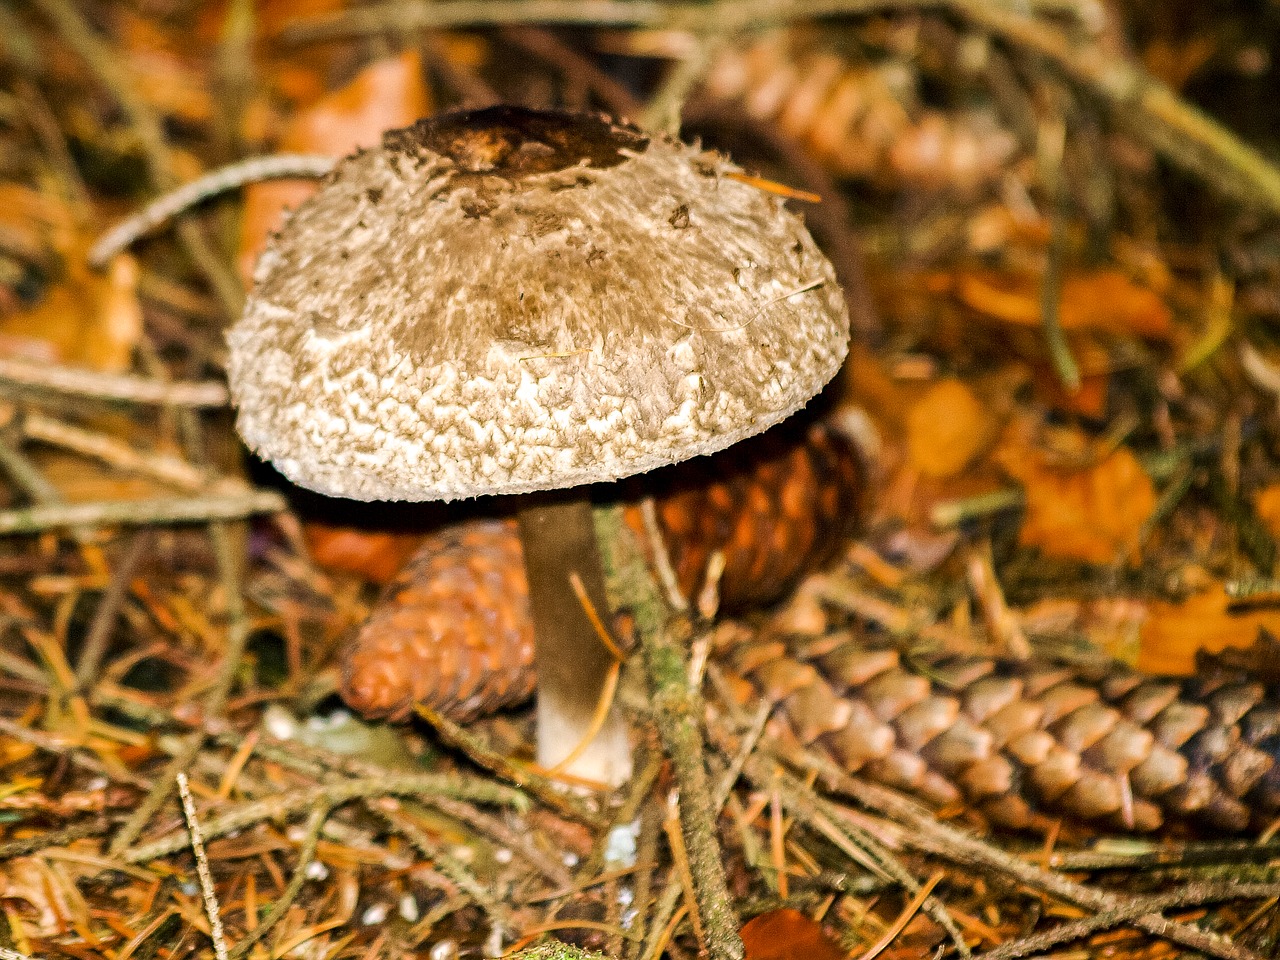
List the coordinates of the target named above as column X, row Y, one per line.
column 506, row 300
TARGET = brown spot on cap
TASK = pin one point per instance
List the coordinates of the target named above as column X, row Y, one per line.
column 515, row 142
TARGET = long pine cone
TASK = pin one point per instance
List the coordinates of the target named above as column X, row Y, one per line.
column 1017, row 741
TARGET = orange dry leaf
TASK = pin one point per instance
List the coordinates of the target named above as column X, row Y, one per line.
column 947, row 428
column 1266, row 503
column 88, row 319
column 907, row 492
column 373, row 554
column 168, row 78
column 1094, row 513
column 387, row 93
column 1095, row 365
column 1174, row 632
column 787, row 934
column 1104, row 300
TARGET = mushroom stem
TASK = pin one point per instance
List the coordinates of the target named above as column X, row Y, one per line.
column 573, row 664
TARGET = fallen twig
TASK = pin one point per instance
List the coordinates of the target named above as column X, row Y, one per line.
column 536, row 785
column 936, row 837
column 202, row 869
column 116, row 453
column 123, row 388
column 1193, row 895
column 292, row 166
column 859, row 845
column 306, row 853
column 445, row 862
column 334, row 795
column 131, row 513
column 104, row 617
column 515, row 841
column 110, row 71
column 1149, row 110
column 229, row 573
column 677, row 713
column 26, row 476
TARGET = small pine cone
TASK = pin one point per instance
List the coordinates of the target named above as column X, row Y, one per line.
column 1019, row 740
column 453, row 630
column 778, row 509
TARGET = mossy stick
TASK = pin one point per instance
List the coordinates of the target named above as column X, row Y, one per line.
column 677, row 713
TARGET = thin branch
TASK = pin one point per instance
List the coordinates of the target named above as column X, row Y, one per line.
column 26, row 476
column 162, row 512
column 745, row 14
column 1193, row 895
column 664, row 110
column 104, row 618
column 215, row 701
column 544, row 789
column 284, row 166
column 677, row 712
column 123, row 388
column 517, row 841
column 1053, row 139
column 927, row 833
column 202, row 869
column 109, row 70
column 334, row 795
column 445, row 862
column 116, row 453
column 576, row 67
column 306, row 853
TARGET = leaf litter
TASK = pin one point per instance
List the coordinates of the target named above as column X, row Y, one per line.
column 1133, row 517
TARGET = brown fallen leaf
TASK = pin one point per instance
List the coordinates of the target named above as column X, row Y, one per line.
column 787, row 934
column 906, row 492
column 88, row 320
column 1175, row 632
column 1092, row 511
column 1103, row 300
column 375, row 555
column 947, row 428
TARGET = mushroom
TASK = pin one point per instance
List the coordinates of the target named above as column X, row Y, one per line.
column 509, row 301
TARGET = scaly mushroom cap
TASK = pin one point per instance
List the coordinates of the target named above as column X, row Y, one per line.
column 507, row 300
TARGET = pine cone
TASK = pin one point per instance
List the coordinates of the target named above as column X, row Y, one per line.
column 1014, row 739
column 777, row 508
column 453, row 629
